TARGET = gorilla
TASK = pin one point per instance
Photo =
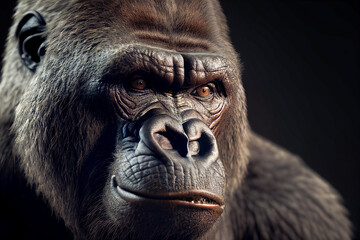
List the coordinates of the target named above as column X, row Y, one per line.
column 128, row 120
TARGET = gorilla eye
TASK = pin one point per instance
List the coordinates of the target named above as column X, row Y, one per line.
column 205, row 90
column 137, row 83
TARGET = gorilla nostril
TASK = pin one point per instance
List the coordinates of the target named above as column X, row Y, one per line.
column 202, row 142
column 170, row 140
column 162, row 138
column 194, row 147
column 200, row 146
column 206, row 142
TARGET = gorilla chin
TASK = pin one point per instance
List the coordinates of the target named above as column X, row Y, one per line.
column 173, row 215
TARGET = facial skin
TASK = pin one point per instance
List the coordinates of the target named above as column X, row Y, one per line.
column 122, row 118
column 166, row 153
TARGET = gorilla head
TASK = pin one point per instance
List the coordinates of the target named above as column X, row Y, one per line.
column 128, row 117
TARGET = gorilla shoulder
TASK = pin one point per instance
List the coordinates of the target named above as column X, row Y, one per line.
column 281, row 198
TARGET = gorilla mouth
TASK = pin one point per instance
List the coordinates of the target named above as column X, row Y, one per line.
column 195, row 198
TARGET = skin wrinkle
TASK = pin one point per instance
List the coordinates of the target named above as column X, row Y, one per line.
column 153, row 105
column 133, row 168
column 124, row 110
column 217, row 117
column 126, row 99
column 121, row 94
column 178, row 171
column 171, row 176
column 150, row 60
column 125, row 106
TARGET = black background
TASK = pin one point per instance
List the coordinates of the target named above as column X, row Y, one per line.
column 301, row 76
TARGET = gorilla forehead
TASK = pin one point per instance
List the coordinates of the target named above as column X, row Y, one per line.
column 166, row 16
column 175, row 25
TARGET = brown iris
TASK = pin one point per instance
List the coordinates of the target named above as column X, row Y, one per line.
column 203, row 91
column 137, row 83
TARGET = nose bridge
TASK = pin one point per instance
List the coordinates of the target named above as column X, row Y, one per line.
column 182, row 107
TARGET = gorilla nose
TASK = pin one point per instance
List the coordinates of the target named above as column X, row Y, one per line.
column 164, row 135
column 169, row 139
column 202, row 143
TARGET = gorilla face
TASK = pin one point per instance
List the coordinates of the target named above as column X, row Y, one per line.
column 166, row 160
column 123, row 124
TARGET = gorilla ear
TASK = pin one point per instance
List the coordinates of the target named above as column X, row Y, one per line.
column 30, row 36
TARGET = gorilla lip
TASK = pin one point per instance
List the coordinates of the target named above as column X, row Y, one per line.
column 194, row 198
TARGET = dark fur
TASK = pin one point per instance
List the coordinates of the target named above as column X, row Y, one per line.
column 48, row 129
